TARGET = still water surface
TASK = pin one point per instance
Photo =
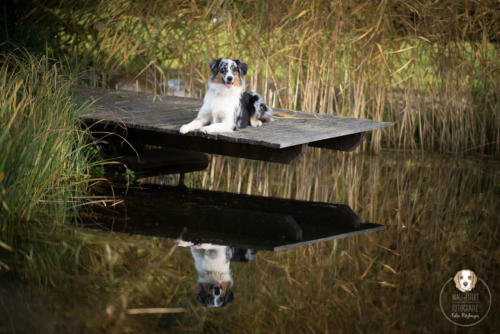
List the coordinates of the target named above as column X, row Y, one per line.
column 440, row 215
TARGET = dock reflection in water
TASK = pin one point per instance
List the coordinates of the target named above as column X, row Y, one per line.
column 221, row 227
column 246, row 221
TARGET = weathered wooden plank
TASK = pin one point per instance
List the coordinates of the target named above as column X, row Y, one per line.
column 165, row 115
column 197, row 143
column 229, row 219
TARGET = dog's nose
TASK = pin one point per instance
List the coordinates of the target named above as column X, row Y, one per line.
column 217, row 291
column 465, row 283
column 229, row 79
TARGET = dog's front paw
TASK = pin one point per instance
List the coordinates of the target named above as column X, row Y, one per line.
column 184, row 129
column 256, row 124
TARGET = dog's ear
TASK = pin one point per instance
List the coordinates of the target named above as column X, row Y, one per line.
column 214, row 65
column 474, row 279
column 242, row 66
column 254, row 98
column 457, row 279
column 228, row 298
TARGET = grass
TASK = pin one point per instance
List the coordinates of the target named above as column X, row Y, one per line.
column 432, row 69
column 44, row 165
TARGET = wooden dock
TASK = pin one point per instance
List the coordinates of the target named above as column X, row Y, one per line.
column 154, row 120
column 245, row 221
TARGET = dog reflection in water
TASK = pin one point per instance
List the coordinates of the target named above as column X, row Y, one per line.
column 214, row 274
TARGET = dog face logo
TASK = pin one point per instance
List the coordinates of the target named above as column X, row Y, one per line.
column 465, row 280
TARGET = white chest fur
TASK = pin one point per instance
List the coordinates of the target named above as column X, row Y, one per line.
column 211, row 260
column 222, row 102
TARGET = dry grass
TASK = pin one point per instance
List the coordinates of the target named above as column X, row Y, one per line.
column 431, row 68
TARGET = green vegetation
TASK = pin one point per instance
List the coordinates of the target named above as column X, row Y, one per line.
column 44, row 164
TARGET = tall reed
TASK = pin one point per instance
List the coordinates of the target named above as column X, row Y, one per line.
column 44, row 162
column 431, row 68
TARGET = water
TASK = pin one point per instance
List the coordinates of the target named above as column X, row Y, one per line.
column 440, row 215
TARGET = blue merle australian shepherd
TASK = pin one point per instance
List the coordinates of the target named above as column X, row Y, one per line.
column 226, row 107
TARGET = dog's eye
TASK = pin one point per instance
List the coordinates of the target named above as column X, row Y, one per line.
column 461, row 277
column 469, row 277
column 233, row 68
